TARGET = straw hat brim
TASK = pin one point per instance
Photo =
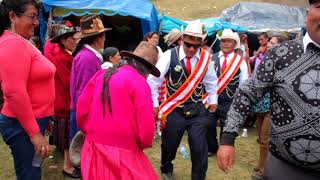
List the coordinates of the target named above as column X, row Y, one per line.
column 152, row 69
column 75, row 148
column 202, row 36
column 226, row 37
column 175, row 39
column 56, row 39
column 80, row 35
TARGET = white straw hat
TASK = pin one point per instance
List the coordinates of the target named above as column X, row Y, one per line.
column 195, row 29
column 229, row 34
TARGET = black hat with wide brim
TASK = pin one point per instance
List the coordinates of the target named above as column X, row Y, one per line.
column 147, row 54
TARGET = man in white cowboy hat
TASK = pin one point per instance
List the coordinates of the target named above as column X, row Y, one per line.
column 190, row 73
column 232, row 71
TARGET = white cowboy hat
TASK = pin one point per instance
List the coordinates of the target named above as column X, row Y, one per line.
column 195, row 29
column 229, row 34
column 237, row 37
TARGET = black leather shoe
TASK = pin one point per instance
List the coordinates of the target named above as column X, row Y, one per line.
column 167, row 176
column 75, row 174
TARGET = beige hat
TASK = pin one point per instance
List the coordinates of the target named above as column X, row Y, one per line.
column 90, row 25
column 173, row 36
column 229, row 34
column 147, row 54
column 195, row 29
column 75, row 148
column 237, row 37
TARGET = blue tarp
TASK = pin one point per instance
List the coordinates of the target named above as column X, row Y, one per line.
column 141, row 9
column 211, row 25
column 257, row 16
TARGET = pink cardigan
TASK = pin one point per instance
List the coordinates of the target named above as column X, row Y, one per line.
column 27, row 80
column 120, row 138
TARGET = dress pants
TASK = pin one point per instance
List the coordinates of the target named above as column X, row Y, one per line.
column 171, row 136
column 212, row 140
column 220, row 114
column 21, row 147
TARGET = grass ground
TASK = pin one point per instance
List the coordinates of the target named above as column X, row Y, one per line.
column 195, row 9
column 246, row 158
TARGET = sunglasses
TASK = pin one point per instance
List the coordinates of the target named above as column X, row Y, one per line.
column 189, row 45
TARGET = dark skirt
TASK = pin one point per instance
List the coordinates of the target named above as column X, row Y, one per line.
column 276, row 169
column 60, row 133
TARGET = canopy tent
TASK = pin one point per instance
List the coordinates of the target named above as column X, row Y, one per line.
column 140, row 9
column 211, row 25
column 262, row 17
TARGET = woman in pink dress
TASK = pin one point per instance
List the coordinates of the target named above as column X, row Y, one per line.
column 115, row 112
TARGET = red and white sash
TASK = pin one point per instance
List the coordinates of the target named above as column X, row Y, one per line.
column 227, row 75
column 186, row 89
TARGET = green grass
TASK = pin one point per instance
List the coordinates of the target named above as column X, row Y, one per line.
column 246, row 159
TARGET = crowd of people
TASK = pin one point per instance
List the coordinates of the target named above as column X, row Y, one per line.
column 105, row 102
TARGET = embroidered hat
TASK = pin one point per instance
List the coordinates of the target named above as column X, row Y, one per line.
column 90, row 25
column 195, row 29
column 229, row 34
column 147, row 54
column 63, row 29
column 75, row 148
column 173, row 36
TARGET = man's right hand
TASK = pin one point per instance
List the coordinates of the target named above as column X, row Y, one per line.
column 225, row 157
column 40, row 144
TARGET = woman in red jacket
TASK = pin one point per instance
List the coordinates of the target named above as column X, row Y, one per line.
column 58, row 50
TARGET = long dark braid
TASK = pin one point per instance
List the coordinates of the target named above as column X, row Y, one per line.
column 105, row 94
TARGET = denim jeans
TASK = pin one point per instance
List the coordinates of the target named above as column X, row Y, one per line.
column 73, row 125
column 21, row 147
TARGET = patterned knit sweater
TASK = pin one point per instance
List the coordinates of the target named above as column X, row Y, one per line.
column 293, row 78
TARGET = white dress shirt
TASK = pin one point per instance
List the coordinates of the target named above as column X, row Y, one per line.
column 210, row 79
column 307, row 40
column 244, row 73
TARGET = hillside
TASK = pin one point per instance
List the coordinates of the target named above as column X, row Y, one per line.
column 194, row 9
